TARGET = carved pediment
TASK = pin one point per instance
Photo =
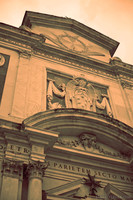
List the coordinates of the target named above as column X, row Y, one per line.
column 75, row 190
column 88, row 142
column 71, row 35
column 73, row 43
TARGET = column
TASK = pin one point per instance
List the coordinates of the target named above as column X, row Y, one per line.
column 11, row 179
column 35, row 171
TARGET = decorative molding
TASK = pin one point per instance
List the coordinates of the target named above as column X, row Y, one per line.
column 16, row 43
column 88, row 142
column 13, row 168
column 25, row 54
column 127, row 85
column 36, row 169
column 38, row 52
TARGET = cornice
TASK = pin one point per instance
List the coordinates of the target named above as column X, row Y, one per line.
column 23, row 37
column 34, row 18
column 34, row 44
column 123, row 69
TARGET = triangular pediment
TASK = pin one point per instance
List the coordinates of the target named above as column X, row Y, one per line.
column 114, row 193
column 69, row 189
column 71, row 35
column 73, row 190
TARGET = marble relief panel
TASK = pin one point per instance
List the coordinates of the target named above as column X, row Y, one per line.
column 76, row 92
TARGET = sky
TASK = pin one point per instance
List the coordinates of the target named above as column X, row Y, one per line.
column 113, row 18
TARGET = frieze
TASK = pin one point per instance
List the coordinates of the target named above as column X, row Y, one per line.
column 17, row 149
column 72, row 64
column 67, row 167
column 16, row 43
column 46, row 55
column 78, row 93
column 87, row 142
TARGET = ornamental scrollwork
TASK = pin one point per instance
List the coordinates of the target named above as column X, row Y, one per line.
column 77, row 93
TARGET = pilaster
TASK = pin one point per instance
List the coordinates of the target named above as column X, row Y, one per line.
column 21, row 85
column 11, row 180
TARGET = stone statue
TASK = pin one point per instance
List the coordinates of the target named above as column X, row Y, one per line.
column 104, row 104
column 52, row 89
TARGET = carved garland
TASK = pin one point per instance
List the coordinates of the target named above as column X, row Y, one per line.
column 88, row 141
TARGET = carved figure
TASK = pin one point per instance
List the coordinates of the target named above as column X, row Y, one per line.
column 104, row 104
column 92, row 184
column 78, row 93
column 87, row 140
column 52, row 89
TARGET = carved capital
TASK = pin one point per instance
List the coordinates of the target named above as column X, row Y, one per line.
column 36, row 169
column 13, row 168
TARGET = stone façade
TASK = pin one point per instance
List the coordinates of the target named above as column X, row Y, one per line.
column 58, row 147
